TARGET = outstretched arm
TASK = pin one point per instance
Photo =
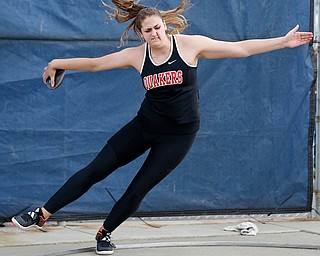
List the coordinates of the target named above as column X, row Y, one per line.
column 291, row 40
column 209, row 48
column 126, row 58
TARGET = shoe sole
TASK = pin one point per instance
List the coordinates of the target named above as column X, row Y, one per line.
column 104, row 252
column 25, row 228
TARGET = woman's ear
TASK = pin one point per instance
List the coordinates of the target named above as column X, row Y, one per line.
column 165, row 27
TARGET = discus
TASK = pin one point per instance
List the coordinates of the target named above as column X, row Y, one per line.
column 58, row 79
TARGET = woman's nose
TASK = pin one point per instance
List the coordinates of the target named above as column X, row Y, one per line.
column 153, row 32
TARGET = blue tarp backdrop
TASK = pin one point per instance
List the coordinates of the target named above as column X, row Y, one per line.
column 251, row 153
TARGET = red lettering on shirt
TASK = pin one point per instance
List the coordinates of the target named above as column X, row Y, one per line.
column 147, row 80
column 155, row 81
column 163, row 79
column 168, row 78
column 179, row 77
column 173, row 76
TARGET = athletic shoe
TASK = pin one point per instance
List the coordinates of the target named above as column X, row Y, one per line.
column 104, row 245
column 29, row 219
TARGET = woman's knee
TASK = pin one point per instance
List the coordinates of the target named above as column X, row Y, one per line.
column 102, row 165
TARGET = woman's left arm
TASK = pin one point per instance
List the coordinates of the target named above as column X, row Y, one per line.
column 210, row 49
column 291, row 40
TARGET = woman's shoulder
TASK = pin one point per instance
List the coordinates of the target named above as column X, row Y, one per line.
column 134, row 52
column 181, row 36
column 188, row 39
column 190, row 46
column 135, row 49
column 134, row 55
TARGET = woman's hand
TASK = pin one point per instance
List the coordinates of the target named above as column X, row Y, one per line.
column 295, row 38
column 49, row 72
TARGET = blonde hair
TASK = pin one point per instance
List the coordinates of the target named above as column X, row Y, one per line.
column 126, row 10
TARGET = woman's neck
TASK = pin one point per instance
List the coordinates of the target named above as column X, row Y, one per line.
column 160, row 53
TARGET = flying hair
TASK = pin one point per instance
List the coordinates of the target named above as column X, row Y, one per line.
column 126, row 10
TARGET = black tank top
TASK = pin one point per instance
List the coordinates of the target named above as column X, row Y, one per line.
column 171, row 103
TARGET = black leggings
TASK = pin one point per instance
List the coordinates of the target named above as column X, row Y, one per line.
column 166, row 152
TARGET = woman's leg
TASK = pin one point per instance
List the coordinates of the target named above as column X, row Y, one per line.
column 167, row 151
column 129, row 140
column 104, row 164
column 126, row 145
column 79, row 183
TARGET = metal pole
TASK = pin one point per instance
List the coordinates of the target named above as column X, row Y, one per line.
column 317, row 50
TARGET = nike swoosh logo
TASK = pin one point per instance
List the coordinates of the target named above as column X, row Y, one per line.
column 170, row 62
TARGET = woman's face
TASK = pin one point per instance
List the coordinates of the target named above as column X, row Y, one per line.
column 153, row 30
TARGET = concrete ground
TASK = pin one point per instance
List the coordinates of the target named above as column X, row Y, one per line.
column 170, row 236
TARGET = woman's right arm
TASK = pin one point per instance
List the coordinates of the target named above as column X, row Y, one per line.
column 126, row 58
